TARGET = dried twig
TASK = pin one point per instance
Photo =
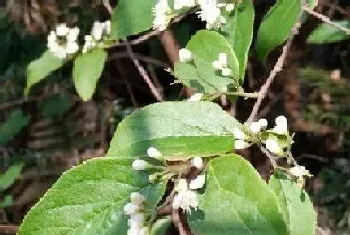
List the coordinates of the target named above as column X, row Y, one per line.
column 326, row 20
column 143, row 73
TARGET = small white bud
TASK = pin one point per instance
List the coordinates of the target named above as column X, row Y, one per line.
column 238, row 134
column 72, row 47
column 217, row 65
column 263, row 123
column 226, row 72
column 281, row 125
column 185, row 55
column 255, row 127
column 130, row 209
column 198, row 182
column 154, row 153
column 143, row 231
column 230, row 7
column 197, row 162
column 137, row 219
column 97, row 30
column 223, row 59
column 273, row 146
column 73, row 34
column 137, row 198
column 241, row 144
column 140, row 165
column 196, row 97
column 299, row 171
column 62, row 30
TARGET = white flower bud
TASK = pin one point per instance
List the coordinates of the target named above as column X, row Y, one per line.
column 73, row 34
column 97, row 30
column 217, row 65
column 185, row 55
column 223, row 59
column 108, row 27
column 137, row 198
column 281, row 125
column 137, row 219
column 62, row 30
column 238, row 134
column 143, row 231
column 72, row 47
column 196, row 97
column 263, row 123
column 226, row 72
column 230, row 7
column 182, row 185
column 197, row 162
column 154, row 153
column 198, row 182
column 273, row 146
column 140, row 165
column 255, row 127
column 241, row 144
column 130, row 209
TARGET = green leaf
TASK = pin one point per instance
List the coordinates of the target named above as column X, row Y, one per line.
column 41, row 68
column 89, row 199
column 88, row 68
column 178, row 129
column 236, row 201
column 9, row 177
column 161, row 226
column 326, row 33
column 200, row 73
column 15, row 122
column 6, row 202
column 277, row 25
column 297, row 209
column 131, row 17
column 239, row 32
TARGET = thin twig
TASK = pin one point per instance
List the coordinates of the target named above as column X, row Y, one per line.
column 143, row 73
column 141, row 57
column 264, row 89
column 326, row 20
column 108, row 6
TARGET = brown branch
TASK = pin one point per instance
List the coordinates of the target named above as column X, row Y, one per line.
column 8, row 229
column 143, row 73
column 325, row 19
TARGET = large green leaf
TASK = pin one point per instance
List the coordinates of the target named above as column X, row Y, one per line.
column 277, row 25
column 326, row 33
column 15, row 122
column 41, row 68
column 9, row 177
column 200, row 73
column 239, row 32
column 177, row 129
column 89, row 199
column 296, row 206
column 131, row 17
column 236, row 201
column 88, row 68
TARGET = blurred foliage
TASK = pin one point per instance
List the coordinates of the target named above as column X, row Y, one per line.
column 326, row 33
column 13, row 125
column 7, row 180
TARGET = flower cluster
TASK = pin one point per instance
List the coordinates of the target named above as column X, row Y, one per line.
column 134, row 209
column 221, row 64
column 210, row 12
column 140, row 165
column 99, row 32
column 62, row 42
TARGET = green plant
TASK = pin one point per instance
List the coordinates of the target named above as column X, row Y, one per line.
column 180, row 156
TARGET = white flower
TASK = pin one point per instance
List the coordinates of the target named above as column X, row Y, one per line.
column 299, row 171
column 107, row 27
column 181, row 185
column 281, row 125
column 255, row 127
column 226, row 72
column 137, row 198
column 140, row 165
column 130, row 209
column 136, row 219
column 273, row 146
column 73, row 34
column 238, row 134
column 185, row 198
column 241, row 144
column 217, row 65
column 263, row 123
column 198, row 182
column 211, row 14
column 196, row 97
column 62, row 30
column 230, row 7
column 97, row 30
column 72, row 47
column 154, row 153
column 161, row 15
column 223, row 59
column 185, row 55
column 197, row 162
column 60, row 52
